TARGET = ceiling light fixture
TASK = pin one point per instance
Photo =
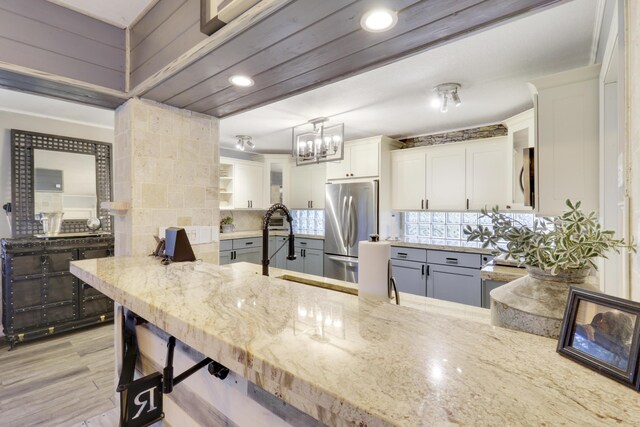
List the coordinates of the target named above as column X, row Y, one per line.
column 316, row 141
column 444, row 93
column 240, row 80
column 379, row 20
column 243, row 142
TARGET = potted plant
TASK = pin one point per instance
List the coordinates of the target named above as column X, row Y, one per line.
column 226, row 224
column 562, row 249
column 557, row 252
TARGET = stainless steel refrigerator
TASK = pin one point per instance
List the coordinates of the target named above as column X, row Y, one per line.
column 351, row 215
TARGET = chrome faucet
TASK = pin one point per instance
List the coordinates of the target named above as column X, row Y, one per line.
column 265, row 236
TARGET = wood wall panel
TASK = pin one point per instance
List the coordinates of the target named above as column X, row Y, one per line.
column 338, row 53
column 292, row 18
column 46, row 37
column 157, row 44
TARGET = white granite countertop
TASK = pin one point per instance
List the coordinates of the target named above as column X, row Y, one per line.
column 501, row 273
column 373, row 363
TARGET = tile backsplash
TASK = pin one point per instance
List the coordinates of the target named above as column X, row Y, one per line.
column 308, row 221
column 449, row 226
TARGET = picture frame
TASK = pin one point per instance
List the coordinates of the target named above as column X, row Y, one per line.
column 602, row 332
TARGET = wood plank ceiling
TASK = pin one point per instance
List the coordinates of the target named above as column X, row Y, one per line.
column 286, row 46
column 307, row 44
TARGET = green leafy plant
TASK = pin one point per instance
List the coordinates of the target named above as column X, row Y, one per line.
column 227, row 220
column 571, row 241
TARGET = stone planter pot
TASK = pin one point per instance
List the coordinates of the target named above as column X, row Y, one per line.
column 227, row 228
column 536, row 303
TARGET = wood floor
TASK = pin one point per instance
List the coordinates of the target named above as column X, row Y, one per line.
column 61, row 381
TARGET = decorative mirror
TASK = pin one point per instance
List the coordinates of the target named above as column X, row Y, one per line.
column 53, row 173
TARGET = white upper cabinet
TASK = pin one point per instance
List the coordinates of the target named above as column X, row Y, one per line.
column 248, row 185
column 408, row 179
column 361, row 160
column 521, row 138
column 307, row 186
column 567, row 140
column 453, row 177
column 445, row 179
column 488, row 174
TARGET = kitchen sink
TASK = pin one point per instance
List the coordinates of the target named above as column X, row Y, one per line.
column 319, row 284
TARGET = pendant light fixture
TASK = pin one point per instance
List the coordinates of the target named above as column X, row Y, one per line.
column 244, row 141
column 317, row 141
column 446, row 92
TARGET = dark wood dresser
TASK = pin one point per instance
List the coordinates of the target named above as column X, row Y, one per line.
column 39, row 295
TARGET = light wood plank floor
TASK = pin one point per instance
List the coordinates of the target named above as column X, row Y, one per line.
column 61, row 381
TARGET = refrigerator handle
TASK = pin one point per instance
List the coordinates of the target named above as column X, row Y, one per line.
column 343, row 221
column 353, row 223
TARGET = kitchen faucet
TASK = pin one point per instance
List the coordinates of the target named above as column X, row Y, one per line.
column 265, row 236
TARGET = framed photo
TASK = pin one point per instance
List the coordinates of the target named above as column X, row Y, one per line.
column 602, row 332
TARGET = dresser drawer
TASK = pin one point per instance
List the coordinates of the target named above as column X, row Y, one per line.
column 408, row 254
column 247, row 243
column 456, row 259
column 226, row 245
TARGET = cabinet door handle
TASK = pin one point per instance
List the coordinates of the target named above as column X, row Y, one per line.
column 402, row 254
column 427, row 204
column 302, row 243
column 423, row 269
column 248, row 243
column 467, row 204
column 346, row 174
column 311, row 204
column 422, row 204
column 428, row 270
column 351, row 174
column 451, row 260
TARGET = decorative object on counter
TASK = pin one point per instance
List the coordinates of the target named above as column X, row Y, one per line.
column 177, row 246
column 557, row 252
column 316, row 141
column 602, row 332
column 51, row 222
column 226, row 224
column 93, row 224
column 446, row 92
column 244, row 141
column 374, row 270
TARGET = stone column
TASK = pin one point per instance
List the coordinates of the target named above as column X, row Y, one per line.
column 166, row 168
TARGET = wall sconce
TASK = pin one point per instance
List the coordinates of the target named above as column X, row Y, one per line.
column 316, row 141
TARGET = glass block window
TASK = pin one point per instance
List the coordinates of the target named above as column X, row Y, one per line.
column 447, row 227
column 308, row 221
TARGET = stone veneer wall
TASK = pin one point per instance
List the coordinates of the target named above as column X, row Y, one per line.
column 166, row 166
column 455, row 136
column 632, row 74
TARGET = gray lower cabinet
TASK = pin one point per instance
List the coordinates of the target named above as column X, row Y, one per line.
column 456, row 284
column 410, row 276
column 309, row 257
column 241, row 250
column 487, row 287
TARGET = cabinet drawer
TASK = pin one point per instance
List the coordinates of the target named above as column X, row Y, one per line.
column 457, row 259
column 25, row 293
column 60, row 288
column 247, row 243
column 95, row 253
column 309, row 243
column 226, row 245
column 409, row 254
column 59, row 261
column 97, row 306
column 26, row 265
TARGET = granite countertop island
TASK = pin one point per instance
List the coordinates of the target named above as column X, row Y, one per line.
column 373, row 363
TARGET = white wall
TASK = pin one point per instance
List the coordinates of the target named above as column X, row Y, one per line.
column 12, row 120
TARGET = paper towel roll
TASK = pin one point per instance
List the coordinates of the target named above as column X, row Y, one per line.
column 373, row 264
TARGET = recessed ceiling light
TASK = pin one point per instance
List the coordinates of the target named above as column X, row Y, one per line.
column 240, row 80
column 379, row 20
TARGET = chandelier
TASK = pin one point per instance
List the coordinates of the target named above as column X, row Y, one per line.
column 316, row 141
